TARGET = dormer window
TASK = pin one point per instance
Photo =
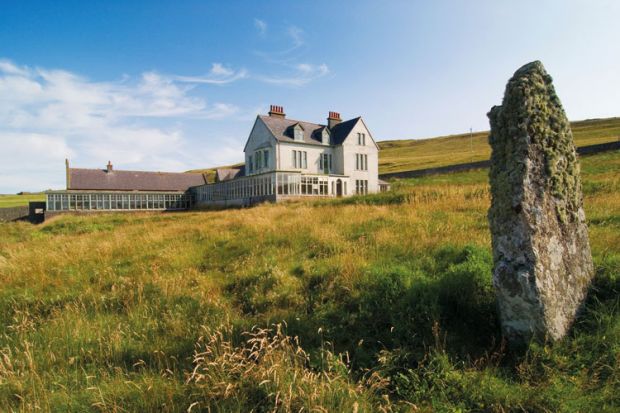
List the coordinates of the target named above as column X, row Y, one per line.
column 298, row 132
column 325, row 137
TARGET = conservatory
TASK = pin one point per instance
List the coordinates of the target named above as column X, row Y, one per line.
column 270, row 186
column 116, row 201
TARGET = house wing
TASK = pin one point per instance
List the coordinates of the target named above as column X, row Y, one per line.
column 343, row 130
column 257, row 124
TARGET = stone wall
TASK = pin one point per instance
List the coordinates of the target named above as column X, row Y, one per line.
column 14, row 213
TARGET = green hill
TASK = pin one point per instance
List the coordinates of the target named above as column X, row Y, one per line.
column 7, row 201
column 374, row 303
column 412, row 154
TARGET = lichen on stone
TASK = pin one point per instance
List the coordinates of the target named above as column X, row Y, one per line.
column 540, row 242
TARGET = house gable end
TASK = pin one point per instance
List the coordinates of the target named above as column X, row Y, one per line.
column 352, row 127
column 258, row 124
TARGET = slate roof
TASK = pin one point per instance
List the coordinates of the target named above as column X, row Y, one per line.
column 226, row 174
column 102, row 180
column 282, row 129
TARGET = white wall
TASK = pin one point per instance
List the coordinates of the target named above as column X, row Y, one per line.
column 343, row 157
column 260, row 138
column 286, row 149
column 351, row 148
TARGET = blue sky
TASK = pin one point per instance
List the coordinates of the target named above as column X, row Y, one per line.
column 174, row 85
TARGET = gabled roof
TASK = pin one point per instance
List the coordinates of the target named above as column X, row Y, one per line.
column 343, row 129
column 281, row 127
column 226, row 174
column 102, row 180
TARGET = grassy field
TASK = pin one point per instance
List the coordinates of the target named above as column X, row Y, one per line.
column 406, row 155
column 7, row 201
column 376, row 303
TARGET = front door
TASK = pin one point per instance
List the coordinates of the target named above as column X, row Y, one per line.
column 338, row 187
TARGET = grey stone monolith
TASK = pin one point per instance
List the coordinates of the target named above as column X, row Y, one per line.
column 542, row 259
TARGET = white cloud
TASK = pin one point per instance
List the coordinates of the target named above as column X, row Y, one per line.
column 218, row 75
column 296, row 35
column 48, row 115
column 295, row 73
column 261, row 26
column 299, row 75
column 8, row 67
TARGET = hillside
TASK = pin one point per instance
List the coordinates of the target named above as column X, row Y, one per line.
column 412, row 154
column 7, row 201
column 210, row 172
column 389, row 295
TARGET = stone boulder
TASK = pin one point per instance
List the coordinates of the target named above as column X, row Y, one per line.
column 542, row 259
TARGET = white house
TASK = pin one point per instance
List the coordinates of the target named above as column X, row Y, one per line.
column 286, row 158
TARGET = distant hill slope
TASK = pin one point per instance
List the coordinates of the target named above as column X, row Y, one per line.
column 9, row 201
column 412, row 154
column 210, row 172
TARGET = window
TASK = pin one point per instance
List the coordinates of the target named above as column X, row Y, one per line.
column 314, row 185
column 266, row 158
column 325, row 136
column 298, row 133
column 325, row 163
column 361, row 162
column 258, row 160
column 250, row 165
column 361, row 139
column 300, row 159
column 361, row 186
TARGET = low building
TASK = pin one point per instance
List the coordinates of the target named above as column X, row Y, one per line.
column 286, row 158
column 117, row 190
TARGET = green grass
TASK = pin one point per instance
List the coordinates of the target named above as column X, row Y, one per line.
column 389, row 297
column 8, row 201
column 411, row 154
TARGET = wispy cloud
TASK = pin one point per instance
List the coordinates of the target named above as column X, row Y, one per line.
column 218, row 75
column 294, row 37
column 292, row 71
column 47, row 115
column 261, row 26
column 299, row 75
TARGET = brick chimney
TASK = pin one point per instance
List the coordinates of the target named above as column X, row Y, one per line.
column 109, row 167
column 333, row 119
column 276, row 111
column 67, row 173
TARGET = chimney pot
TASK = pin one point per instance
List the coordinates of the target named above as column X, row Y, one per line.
column 109, row 166
column 333, row 119
column 277, row 111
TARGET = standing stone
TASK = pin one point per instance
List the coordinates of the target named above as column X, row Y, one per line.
column 541, row 252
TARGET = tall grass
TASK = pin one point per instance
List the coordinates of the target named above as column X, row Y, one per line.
column 386, row 302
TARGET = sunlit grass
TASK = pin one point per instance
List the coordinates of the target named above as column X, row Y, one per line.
column 409, row 154
column 389, row 296
column 8, row 201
